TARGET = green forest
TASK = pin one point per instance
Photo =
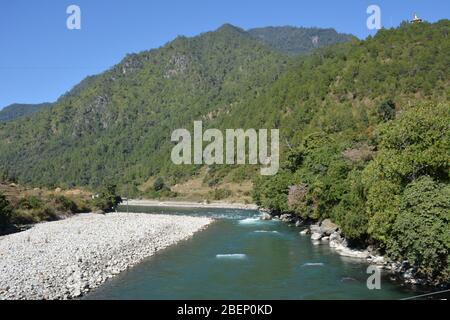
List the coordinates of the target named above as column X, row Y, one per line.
column 364, row 127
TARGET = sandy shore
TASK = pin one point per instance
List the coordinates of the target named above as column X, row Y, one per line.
column 66, row 259
column 187, row 204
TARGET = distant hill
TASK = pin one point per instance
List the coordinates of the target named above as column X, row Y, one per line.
column 295, row 40
column 15, row 111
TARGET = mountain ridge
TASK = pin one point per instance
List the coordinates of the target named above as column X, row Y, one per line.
column 18, row 110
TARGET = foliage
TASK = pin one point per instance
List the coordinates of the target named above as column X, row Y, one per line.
column 364, row 154
column 107, row 199
column 159, row 184
column 5, row 213
column 421, row 232
column 414, row 145
column 350, row 213
column 293, row 40
column 31, row 202
column 16, row 111
column 386, row 110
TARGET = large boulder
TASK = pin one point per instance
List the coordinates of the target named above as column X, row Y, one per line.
column 287, row 218
column 328, row 227
column 336, row 236
column 315, row 228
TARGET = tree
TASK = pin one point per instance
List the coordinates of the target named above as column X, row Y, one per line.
column 5, row 213
column 421, row 232
column 386, row 110
column 108, row 198
column 159, row 184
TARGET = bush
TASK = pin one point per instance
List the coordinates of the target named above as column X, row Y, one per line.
column 108, row 199
column 386, row 110
column 5, row 213
column 272, row 192
column 44, row 214
column 421, row 232
column 159, row 184
column 65, row 204
column 30, row 203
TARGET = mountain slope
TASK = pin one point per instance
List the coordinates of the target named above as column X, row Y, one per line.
column 117, row 125
column 367, row 144
column 294, row 40
column 15, row 111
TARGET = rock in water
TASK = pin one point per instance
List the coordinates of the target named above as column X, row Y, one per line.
column 266, row 216
column 304, row 232
column 316, row 236
column 328, row 227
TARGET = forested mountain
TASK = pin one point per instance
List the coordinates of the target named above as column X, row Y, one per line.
column 294, row 40
column 15, row 111
column 117, row 125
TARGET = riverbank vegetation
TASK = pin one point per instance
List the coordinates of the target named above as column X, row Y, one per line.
column 21, row 206
column 375, row 157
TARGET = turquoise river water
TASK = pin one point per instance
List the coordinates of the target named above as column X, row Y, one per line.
column 242, row 257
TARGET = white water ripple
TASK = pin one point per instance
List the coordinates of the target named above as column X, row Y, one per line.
column 313, row 264
column 266, row 231
column 250, row 221
column 231, row 256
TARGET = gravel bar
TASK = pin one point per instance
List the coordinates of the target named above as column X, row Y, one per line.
column 66, row 259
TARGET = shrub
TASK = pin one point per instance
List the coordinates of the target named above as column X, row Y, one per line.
column 386, row 110
column 159, row 184
column 44, row 214
column 297, row 199
column 108, row 198
column 5, row 213
column 421, row 232
column 30, row 203
column 65, row 204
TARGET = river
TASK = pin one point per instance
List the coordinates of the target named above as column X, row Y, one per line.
column 242, row 257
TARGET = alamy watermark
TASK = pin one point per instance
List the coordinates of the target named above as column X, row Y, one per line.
column 73, row 22
column 236, row 151
column 374, row 280
column 374, row 20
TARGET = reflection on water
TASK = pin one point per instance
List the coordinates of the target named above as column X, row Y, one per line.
column 242, row 257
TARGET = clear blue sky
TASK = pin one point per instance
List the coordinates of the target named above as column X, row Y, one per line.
column 40, row 58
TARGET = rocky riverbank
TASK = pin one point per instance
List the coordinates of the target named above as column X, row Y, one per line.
column 68, row 258
column 326, row 232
